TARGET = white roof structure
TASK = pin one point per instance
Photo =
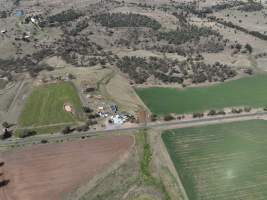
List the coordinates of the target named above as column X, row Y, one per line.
column 119, row 119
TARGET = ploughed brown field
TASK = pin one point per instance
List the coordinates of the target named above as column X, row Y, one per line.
column 51, row 171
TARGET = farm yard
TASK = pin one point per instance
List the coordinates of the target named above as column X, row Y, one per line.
column 226, row 161
column 249, row 91
column 51, row 104
column 52, row 171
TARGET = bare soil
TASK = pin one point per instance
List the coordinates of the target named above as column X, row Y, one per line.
column 52, row 171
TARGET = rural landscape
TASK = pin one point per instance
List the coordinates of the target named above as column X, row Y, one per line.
column 133, row 99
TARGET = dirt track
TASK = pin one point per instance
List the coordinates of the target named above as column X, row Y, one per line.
column 50, row 172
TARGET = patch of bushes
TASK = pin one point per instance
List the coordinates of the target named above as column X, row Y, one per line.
column 3, row 14
column 67, row 130
column 198, row 115
column 79, row 27
column 27, row 133
column 215, row 112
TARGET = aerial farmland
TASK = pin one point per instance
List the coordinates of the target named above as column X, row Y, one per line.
column 133, row 99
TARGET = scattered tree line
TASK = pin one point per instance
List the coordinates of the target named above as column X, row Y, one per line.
column 239, row 28
column 29, row 63
column 81, row 51
column 173, row 71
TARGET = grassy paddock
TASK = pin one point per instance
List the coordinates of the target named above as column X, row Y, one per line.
column 45, row 106
column 224, row 161
column 250, row 91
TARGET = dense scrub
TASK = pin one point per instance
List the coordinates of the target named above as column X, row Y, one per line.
column 126, row 20
column 61, row 18
column 225, row 5
column 251, row 6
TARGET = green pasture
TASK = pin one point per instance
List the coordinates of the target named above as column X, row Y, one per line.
column 251, row 91
column 45, row 106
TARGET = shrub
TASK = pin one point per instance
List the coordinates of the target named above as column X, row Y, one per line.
column 67, row 130
column 44, row 141
column 168, row 118
column 249, row 48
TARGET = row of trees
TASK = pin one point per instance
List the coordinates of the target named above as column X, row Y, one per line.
column 212, row 112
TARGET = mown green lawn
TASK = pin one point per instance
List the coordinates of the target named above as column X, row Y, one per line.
column 225, row 161
column 45, row 105
column 251, row 91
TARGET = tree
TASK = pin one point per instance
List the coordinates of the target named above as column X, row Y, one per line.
column 5, row 125
column 249, row 48
column 154, row 117
column 87, row 109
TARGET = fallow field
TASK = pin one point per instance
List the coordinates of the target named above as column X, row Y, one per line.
column 224, row 161
column 52, row 171
column 250, row 91
column 45, row 106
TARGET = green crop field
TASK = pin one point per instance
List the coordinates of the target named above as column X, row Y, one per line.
column 45, row 106
column 250, row 91
column 222, row 162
